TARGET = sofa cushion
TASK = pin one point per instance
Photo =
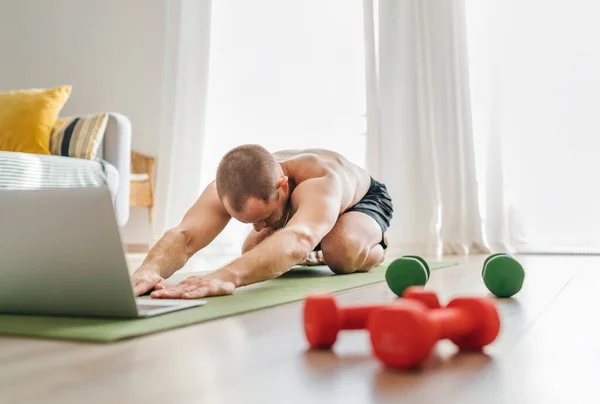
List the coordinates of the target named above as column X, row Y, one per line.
column 35, row 171
column 27, row 118
column 79, row 137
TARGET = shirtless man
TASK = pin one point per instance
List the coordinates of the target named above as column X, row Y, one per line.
column 306, row 207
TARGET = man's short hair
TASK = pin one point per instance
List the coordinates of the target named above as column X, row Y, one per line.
column 247, row 171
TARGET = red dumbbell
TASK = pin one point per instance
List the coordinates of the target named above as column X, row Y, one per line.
column 426, row 297
column 323, row 319
column 403, row 334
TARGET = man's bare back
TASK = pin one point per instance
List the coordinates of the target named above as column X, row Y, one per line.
column 300, row 203
column 303, row 165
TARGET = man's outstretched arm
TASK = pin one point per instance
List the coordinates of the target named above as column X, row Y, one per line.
column 200, row 225
column 318, row 209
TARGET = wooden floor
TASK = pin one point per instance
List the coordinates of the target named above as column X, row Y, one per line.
column 548, row 352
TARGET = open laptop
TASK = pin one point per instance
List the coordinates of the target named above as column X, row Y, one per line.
column 61, row 254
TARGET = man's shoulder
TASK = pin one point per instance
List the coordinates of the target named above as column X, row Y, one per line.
column 317, row 187
column 304, row 153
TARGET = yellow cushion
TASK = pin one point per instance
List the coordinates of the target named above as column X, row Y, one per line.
column 27, row 118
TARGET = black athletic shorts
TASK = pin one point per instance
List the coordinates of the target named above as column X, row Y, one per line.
column 377, row 204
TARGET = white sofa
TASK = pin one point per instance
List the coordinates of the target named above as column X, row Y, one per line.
column 116, row 150
column 111, row 168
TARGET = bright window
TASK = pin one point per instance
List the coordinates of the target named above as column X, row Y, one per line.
column 285, row 74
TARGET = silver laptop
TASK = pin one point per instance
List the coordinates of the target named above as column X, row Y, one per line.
column 61, row 254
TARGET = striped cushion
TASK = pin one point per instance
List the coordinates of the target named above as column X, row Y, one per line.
column 79, row 137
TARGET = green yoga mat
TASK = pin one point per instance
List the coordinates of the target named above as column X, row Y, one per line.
column 292, row 286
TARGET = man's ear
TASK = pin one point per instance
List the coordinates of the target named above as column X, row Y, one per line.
column 283, row 183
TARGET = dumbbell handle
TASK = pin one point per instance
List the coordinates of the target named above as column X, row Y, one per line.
column 451, row 322
column 355, row 318
column 427, row 297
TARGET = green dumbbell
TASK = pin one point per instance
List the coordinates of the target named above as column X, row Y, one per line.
column 503, row 275
column 408, row 270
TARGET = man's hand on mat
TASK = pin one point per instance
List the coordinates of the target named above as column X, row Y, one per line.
column 145, row 280
column 195, row 287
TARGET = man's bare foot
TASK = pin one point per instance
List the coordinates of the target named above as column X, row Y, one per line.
column 314, row 258
column 385, row 240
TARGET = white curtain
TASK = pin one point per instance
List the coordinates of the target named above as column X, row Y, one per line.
column 486, row 124
column 289, row 74
column 425, row 140
column 186, row 85
column 534, row 76
column 484, row 129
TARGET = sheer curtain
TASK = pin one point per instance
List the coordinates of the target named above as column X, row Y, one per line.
column 534, row 81
column 487, row 129
column 483, row 128
column 426, row 144
column 184, row 105
column 284, row 74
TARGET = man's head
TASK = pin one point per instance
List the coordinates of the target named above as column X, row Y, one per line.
column 253, row 187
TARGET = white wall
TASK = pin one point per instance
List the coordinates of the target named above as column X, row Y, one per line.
column 111, row 51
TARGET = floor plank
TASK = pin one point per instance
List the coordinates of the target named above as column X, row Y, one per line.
column 557, row 360
column 262, row 356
